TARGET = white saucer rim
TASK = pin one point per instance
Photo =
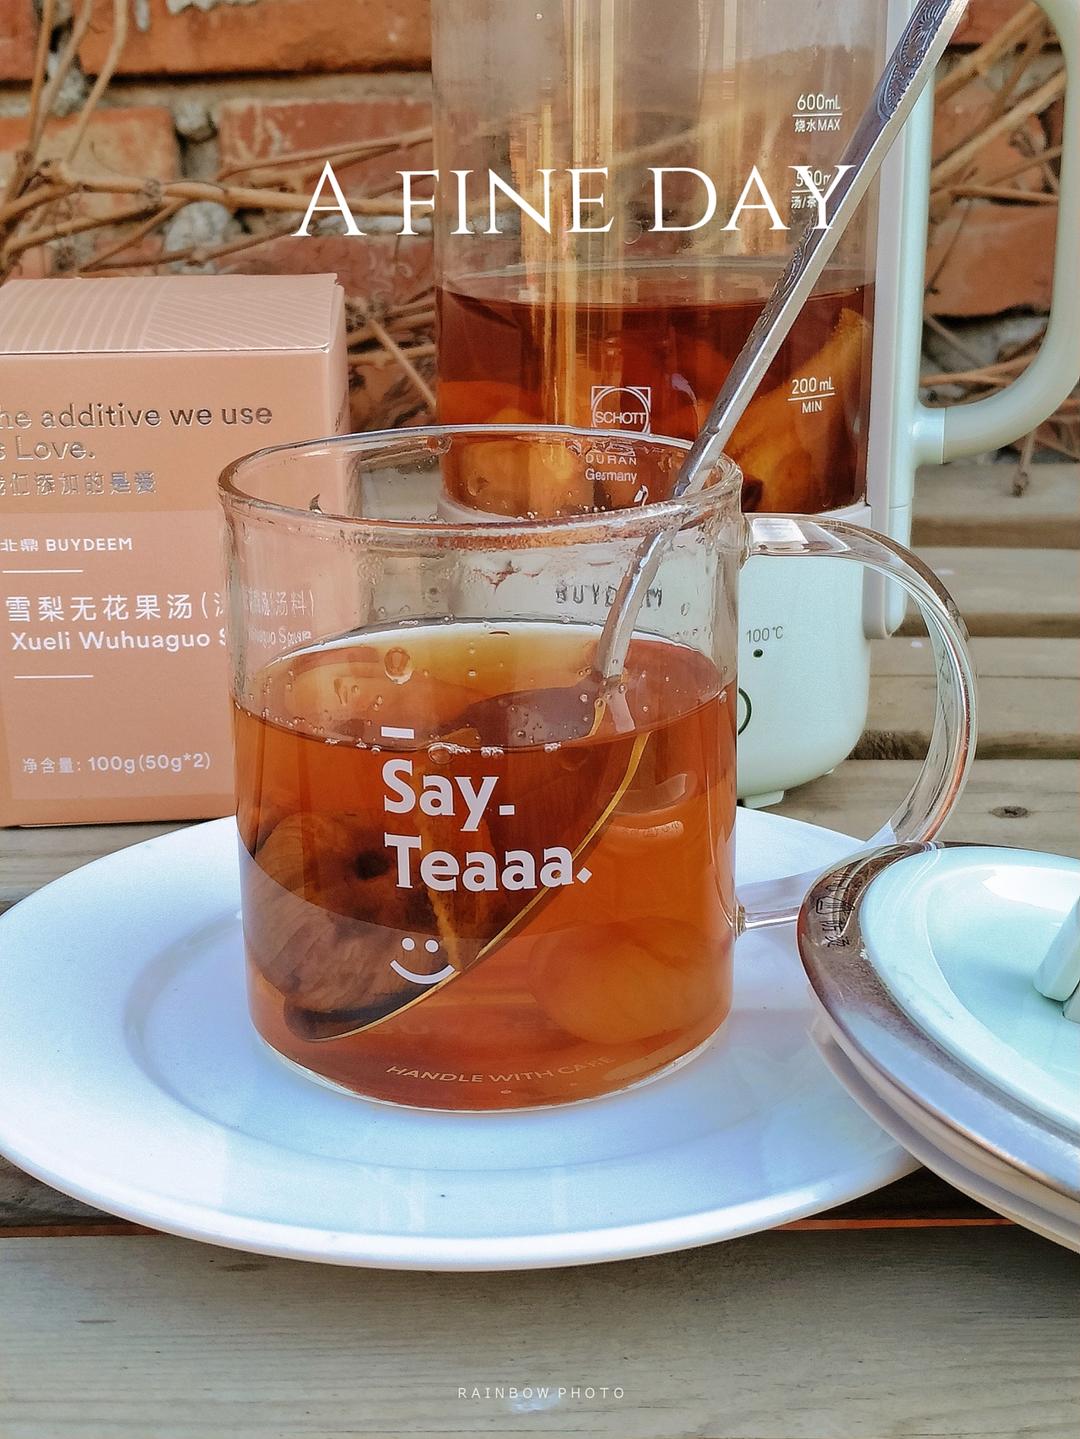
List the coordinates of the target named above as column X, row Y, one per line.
column 564, row 1250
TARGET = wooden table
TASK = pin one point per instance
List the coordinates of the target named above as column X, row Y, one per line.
column 912, row 1312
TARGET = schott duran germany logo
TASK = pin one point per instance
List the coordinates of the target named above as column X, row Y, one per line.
column 624, row 407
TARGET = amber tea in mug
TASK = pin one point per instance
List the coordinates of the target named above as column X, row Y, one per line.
column 473, row 876
column 398, row 828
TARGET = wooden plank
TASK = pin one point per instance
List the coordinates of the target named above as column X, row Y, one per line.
column 928, row 1333
column 27, row 1205
column 973, row 504
column 1032, row 804
column 1009, row 592
column 1029, row 699
column 1016, row 657
column 30, row 858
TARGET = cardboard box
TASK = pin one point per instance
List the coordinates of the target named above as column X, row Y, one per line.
column 121, row 400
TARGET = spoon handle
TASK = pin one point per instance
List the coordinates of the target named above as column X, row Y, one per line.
column 911, row 64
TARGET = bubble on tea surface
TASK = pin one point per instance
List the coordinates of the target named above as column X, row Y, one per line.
column 398, row 664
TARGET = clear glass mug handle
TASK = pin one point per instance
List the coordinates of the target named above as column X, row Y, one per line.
column 952, row 741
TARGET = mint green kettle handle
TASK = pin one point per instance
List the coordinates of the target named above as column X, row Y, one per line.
column 952, row 432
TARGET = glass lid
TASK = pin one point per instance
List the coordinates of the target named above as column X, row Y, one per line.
column 923, row 959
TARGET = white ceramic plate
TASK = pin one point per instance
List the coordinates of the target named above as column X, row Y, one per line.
column 1024, row 1203
column 956, row 936
column 132, row 1079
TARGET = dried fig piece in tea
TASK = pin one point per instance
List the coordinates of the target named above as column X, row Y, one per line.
column 330, row 914
column 325, row 917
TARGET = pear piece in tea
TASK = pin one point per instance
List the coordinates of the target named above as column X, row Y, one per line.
column 505, row 477
column 624, row 982
column 788, row 459
column 330, row 917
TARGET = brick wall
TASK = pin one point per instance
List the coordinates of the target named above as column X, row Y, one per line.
column 204, row 86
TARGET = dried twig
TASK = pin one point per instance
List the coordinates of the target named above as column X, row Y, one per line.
column 65, row 62
column 105, row 74
column 1043, row 158
column 1022, row 478
column 1000, row 372
column 101, row 258
column 1032, row 44
column 961, row 187
column 419, row 383
column 386, row 357
column 1004, row 192
column 401, row 317
column 342, row 155
column 41, row 60
column 1014, row 31
column 953, row 341
column 159, row 198
column 1033, row 103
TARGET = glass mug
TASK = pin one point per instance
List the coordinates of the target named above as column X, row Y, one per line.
column 473, row 876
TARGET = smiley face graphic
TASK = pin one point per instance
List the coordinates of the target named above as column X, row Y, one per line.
column 432, row 946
